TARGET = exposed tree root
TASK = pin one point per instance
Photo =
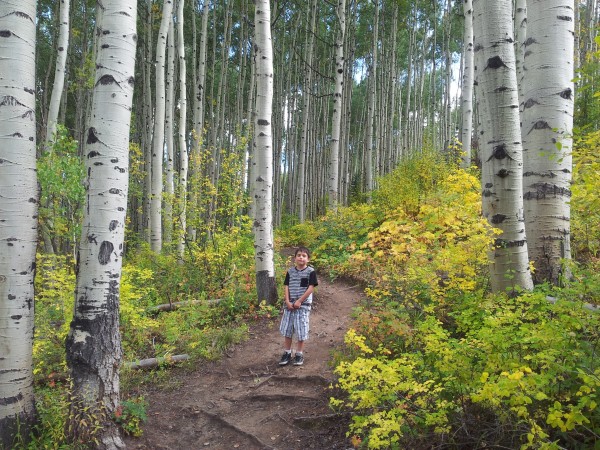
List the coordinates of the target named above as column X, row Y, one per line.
column 313, row 422
column 233, row 427
column 281, row 397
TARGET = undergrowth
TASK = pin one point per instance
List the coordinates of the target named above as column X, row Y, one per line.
column 433, row 359
column 215, row 284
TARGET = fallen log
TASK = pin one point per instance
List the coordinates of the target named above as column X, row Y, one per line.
column 150, row 363
column 588, row 306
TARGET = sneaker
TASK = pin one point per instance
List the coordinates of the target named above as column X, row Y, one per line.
column 298, row 359
column 285, row 359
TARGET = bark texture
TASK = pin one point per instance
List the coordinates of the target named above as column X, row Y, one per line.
column 337, row 106
column 93, row 344
column 467, row 84
column 18, row 217
column 59, row 72
column 263, row 142
column 547, row 134
column 158, row 139
column 501, row 148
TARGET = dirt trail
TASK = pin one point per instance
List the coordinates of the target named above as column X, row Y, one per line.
column 247, row 401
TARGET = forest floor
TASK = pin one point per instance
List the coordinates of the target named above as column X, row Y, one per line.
column 247, row 401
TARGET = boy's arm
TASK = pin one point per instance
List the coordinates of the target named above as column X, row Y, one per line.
column 309, row 291
column 288, row 304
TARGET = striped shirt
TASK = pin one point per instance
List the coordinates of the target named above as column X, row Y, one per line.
column 298, row 282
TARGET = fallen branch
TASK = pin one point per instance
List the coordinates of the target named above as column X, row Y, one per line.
column 155, row 362
column 176, row 305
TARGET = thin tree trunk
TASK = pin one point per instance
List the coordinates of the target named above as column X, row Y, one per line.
column 93, row 344
column 307, row 92
column 263, row 220
column 59, row 72
column 199, row 111
column 158, row 140
column 147, row 201
column 338, row 103
column 18, row 210
column 467, row 84
column 183, row 152
column 169, row 187
column 369, row 169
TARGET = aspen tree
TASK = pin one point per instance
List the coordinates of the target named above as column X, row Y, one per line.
column 547, row 130
column 369, row 146
column 199, row 112
column 301, row 193
column 59, row 72
column 501, row 149
column 158, row 138
column 467, row 84
column 183, row 152
column 18, row 217
column 93, row 344
column 169, row 183
column 337, row 106
column 263, row 218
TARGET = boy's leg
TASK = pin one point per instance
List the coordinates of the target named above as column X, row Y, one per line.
column 299, row 357
column 286, row 329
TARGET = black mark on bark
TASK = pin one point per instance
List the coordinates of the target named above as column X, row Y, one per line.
column 540, row 125
column 106, row 249
column 529, row 103
column 498, row 218
column 106, row 79
column 566, row 94
column 495, row 62
column 499, row 152
column 92, row 136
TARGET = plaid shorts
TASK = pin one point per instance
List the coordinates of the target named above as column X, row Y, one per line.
column 295, row 321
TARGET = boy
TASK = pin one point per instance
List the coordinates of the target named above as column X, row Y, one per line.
column 300, row 282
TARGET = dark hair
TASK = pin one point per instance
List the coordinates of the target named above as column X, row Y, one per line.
column 302, row 250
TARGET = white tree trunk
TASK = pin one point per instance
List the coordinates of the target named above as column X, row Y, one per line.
column 18, row 217
column 263, row 219
column 93, row 344
column 198, row 124
column 520, row 37
column 183, row 152
column 306, row 112
column 369, row 169
column 158, row 140
column 338, row 104
column 169, row 197
column 59, row 72
column 467, row 84
column 547, row 134
column 501, row 148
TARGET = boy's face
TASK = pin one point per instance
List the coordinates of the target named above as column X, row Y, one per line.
column 301, row 259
